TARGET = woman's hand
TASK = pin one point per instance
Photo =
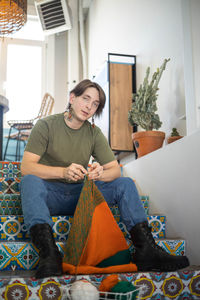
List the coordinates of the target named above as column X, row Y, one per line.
column 95, row 171
column 74, row 172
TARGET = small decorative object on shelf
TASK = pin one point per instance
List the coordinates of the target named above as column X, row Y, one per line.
column 174, row 136
column 143, row 113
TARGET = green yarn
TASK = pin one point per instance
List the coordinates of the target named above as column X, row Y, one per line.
column 120, row 258
column 124, row 287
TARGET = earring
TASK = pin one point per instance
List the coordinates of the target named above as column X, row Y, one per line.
column 93, row 125
column 70, row 113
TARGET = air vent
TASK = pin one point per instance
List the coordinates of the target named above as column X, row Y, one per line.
column 53, row 15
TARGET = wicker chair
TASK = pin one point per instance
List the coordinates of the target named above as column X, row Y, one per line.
column 24, row 127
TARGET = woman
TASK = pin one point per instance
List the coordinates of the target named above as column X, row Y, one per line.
column 54, row 164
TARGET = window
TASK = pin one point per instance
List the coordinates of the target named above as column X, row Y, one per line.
column 24, row 78
column 22, row 63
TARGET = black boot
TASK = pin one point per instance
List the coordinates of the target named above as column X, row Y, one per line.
column 50, row 263
column 148, row 256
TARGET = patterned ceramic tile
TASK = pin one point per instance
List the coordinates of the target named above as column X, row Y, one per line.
column 10, row 204
column 9, row 185
column 20, row 255
column 172, row 286
column 157, row 224
column 176, row 247
column 13, row 227
column 24, row 256
column 145, row 202
column 10, row 169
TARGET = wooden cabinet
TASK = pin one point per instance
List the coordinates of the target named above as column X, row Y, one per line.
column 118, row 79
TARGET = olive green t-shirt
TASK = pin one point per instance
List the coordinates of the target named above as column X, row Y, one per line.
column 59, row 145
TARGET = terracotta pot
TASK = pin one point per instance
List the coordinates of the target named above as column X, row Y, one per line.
column 172, row 139
column 147, row 141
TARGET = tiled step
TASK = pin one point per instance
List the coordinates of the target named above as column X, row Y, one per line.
column 144, row 200
column 180, row 285
column 23, row 255
column 9, row 185
column 13, row 227
column 10, row 203
column 157, row 223
column 17, row 253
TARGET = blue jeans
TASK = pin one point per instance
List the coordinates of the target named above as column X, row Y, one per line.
column 42, row 199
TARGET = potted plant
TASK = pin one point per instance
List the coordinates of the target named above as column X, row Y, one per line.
column 143, row 113
column 174, row 136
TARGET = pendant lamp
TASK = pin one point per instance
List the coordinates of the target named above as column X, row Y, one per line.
column 13, row 15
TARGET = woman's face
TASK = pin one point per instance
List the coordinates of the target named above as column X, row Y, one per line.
column 85, row 106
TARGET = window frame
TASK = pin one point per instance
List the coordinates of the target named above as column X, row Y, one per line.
column 3, row 63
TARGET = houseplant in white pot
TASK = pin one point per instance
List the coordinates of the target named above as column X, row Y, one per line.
column 143, row 113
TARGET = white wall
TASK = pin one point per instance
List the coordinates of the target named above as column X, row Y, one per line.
column 66, row 60
column 56, row 70
column 170, row 176
column 50, row 65
column 152, row 30
column 61, row 87
column 191, row 46
column 195, row 24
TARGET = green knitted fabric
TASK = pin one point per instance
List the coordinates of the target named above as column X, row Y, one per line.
column 124, row 287
column 120, row 258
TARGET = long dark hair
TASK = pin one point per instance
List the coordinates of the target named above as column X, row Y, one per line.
column 80, row 88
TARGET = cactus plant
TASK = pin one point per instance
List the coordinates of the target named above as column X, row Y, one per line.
column 174, row 132
column 143, row 111
column 174, row 136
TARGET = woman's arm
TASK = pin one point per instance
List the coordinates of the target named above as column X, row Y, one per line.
column 107, row 172
column 31, row 166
